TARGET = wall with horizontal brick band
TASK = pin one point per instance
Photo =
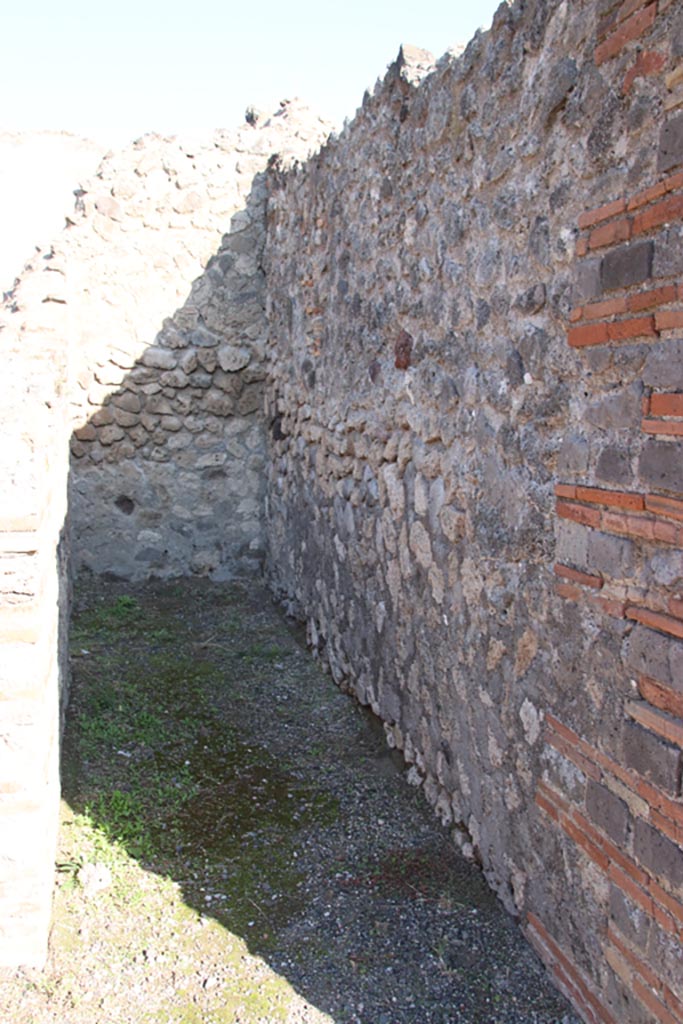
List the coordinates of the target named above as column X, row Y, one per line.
column 469, row 340
column 475, row 400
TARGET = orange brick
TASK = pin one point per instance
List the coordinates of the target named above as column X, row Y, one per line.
column 673, row 428
column 546, row 806
column 566, row 974
column 568, row 591
column 626, row 865
column 613, row 499
column 615, row 522
column 593, row 851
column 627, row 885
column 648, row 195
column 656, row 620
column 660, row 213
column 635, row 327
column 630, row 29
column 583, row 578
column 652, row 298
column 668, row 533
column 656, row 721
column 669, row 319
column 610, row 606
column 676, row 607
column 609, row 234
column 628, row 7
column 664, row 920
column 605, row 308
column 648, row 62
column 565, row 490
column 576, row 315
column 661, row 696
column 612, row 852
column 669, row 828
column 591, row 217
column 581, row 247
column 552, row 796
column 579, row 513
column 572, row 753
column 654, row 1005
column 666, row 900
column 672, row 809
column 670, row 404
column 593, row 334
column 556, row 726
column 619, row 966
column 643, row 969
column 672, row 508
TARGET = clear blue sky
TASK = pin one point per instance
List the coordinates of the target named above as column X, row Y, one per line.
column 113, row 70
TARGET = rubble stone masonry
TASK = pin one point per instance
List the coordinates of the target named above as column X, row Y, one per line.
column 475, row 401
column 433, row 375
column 138, row 341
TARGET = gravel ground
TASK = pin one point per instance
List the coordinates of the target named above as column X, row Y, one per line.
column 239, row 845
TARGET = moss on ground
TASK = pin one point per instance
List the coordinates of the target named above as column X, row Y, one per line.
column 257, row 856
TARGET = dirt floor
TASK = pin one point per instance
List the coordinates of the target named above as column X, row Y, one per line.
column 239, row 846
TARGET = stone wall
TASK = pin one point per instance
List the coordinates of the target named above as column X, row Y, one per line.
column 476, row 490
column 34, row 606
column 468, row 337
column 143, row 330
column 165, row 269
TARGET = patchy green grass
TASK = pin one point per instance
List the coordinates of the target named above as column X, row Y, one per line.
column 235, row 844
column 159, row 772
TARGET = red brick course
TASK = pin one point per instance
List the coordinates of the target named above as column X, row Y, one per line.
column 641, row 516
column 632, row 28
column 622, row 870
column 567, row 976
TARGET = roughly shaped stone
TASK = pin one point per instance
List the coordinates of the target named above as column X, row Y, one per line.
column 159, row 359
column 233, row 357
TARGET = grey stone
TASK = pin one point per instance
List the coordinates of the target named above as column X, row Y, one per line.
column 670, row 152
column 614, row 466
column 632, row 922
column 613, row 556
column 660, row 466
column 618, row 411
column 108, row 435
column 664, row 366
column 652, row 758
column 587, row 281
column 627, row 265
column 233, row 357
column 561, row 80
column 668, row 252
column 657, row 853
column 159, row 359
column 532, row 300
column 608, row 811
column 127, row 400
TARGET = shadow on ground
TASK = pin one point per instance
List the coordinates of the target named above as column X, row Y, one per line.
column 290, row 873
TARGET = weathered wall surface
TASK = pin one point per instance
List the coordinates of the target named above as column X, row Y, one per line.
column 476, row 491
column 142, row 327
column 34, row 607
column 474, row 419
column 165, row 279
